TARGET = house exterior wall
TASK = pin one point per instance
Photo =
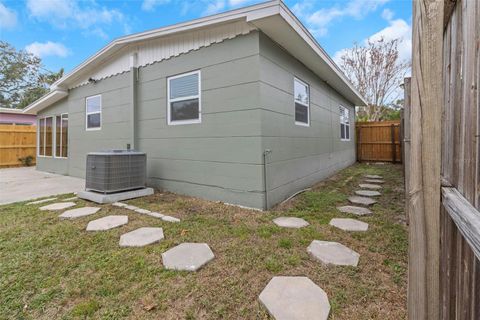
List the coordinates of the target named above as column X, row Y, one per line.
column 221, row 157
column 52, row 164
column 246, row 106
column 300, row 156
column 114, row 133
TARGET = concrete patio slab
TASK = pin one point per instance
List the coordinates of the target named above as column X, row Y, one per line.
column 114, row 197
column 290, row 222
column 22, row 184
column 41, row 201
column 361, row 200
column 373, row 176
column 107, row 223
column 141, row 237
column 79, row 212
column 58, row 206
column 187, row 256
column 333, row 253
column 349, row 224
column 295, row 298
column 368, row 193
column 370, row 186
column 359, row 211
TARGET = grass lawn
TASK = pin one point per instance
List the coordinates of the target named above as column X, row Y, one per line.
column 52, row 269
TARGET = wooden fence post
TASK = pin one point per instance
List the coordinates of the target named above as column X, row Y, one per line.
column 424, row 300
column 406, row 139
column 394, row 146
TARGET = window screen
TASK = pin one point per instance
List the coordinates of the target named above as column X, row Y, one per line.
column 93, row 112
column 301, row 93
column 184, row 98
column 344, row 123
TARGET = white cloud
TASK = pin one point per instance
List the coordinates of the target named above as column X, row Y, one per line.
column 8, row 17
column 397, row 29
column 387, row 14
column 48, row 48
column 74, row 14
column 149, row 5
column 214, row 7
column 318, row 21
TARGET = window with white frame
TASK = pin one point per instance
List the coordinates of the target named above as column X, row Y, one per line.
column 45, row 137
column 301, row 92
column 61, row 136
column 344, row 124
column 93, row 118
column 184, row 98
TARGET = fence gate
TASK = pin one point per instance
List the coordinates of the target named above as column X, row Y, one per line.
column 379, row 141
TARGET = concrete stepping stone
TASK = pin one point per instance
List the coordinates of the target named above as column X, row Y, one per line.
column 119, row 204
column 361, row 200
column 130, row 207
column 333, row 253
column 377, row 181
column 368, row 193
column 170, row 219
column 156, row 215
column 107, row 223
column 142, row 211
column 141, row 237
column 70, row 199
column 79, row 212
column 359, row 211
column 292, row 298
column 187, row 256
column 370, row 186
column 58, row 206
column 290, row 222
column 349, row 224
column 373, row 176
column 41, row 201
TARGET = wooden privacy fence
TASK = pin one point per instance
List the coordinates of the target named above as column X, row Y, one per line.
column 443, row 165
column 16, row 141
column 379, row 141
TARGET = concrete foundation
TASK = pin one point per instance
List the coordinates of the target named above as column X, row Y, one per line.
column 114, row 197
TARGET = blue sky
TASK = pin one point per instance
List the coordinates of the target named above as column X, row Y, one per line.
column 66, row 32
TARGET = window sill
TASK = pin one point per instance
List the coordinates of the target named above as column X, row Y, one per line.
column 302, row 124
column 177, row 123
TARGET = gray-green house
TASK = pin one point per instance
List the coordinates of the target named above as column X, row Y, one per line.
column 243, row 107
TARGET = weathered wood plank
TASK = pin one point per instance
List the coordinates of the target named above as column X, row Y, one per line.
column 424, row 185
column 465, row 216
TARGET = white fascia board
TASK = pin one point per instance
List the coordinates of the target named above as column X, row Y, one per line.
column 45, row 101
column 11, row 110
column 246, row 13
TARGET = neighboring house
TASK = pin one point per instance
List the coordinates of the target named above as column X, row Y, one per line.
column 16, row 116
column 243, row 107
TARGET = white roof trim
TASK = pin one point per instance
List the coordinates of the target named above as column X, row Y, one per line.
column 261, row 16
column 45, row 101
column 13, row 111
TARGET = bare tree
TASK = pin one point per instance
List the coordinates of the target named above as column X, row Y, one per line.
column 377, row 72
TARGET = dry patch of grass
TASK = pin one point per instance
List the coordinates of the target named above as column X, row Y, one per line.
column 54, row 269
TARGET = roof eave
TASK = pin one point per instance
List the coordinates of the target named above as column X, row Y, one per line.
column 45, row 101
